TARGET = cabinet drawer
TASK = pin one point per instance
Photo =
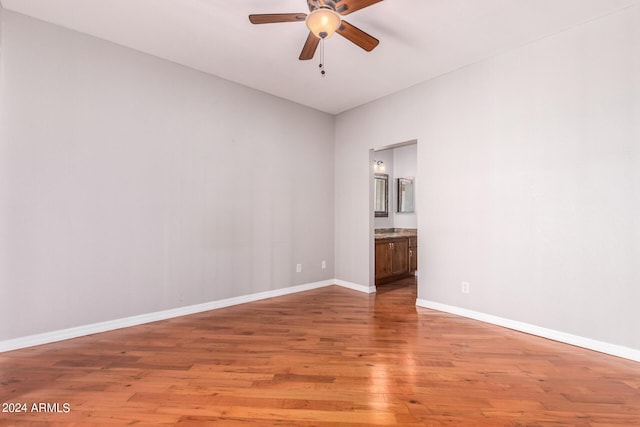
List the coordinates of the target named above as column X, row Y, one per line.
column 413, row 242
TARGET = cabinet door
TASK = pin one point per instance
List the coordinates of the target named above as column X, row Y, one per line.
column 400, row 256
column 383, row 259
column 413, row 259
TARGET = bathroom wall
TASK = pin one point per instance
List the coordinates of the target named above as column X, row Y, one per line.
column 400, row 162
column 404, row 166
column 387, row 157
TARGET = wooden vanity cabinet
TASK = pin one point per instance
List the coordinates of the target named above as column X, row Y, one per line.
column 392, row 258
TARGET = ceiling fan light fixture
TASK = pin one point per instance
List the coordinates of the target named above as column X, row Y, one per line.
column 323, row 22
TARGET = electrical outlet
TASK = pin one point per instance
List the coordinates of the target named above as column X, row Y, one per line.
column 324, row 264
column 466, row 287
column 298, row 268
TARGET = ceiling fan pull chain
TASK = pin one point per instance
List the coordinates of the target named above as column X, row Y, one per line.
column 322, row 71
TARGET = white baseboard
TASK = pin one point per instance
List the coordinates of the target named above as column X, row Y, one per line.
column 53, row 336
column 600, row 346
column 355, row 286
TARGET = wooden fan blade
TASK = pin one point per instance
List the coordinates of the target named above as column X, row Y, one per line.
column 357, row 36
column 309, row 48
column 345, row 7
column 270, row 18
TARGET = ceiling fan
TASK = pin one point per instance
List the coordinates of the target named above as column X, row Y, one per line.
column 323, row 20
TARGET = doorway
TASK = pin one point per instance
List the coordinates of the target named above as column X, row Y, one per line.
column 393, row 217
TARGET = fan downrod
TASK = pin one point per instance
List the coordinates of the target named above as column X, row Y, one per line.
column 317, row 4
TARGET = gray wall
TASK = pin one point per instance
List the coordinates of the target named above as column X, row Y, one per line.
column 529, row 182
column 130, row 185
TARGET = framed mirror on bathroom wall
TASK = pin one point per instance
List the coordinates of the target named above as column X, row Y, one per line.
column 405, row 195
column 381, row 195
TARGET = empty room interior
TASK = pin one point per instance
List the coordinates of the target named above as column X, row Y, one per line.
column 314, row 213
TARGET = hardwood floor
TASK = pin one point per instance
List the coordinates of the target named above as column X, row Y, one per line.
column 326, row 357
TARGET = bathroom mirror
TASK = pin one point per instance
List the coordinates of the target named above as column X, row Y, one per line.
column 405, row 195
column 381, row 195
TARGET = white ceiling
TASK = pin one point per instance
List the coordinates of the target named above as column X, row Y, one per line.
column 419, row 39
